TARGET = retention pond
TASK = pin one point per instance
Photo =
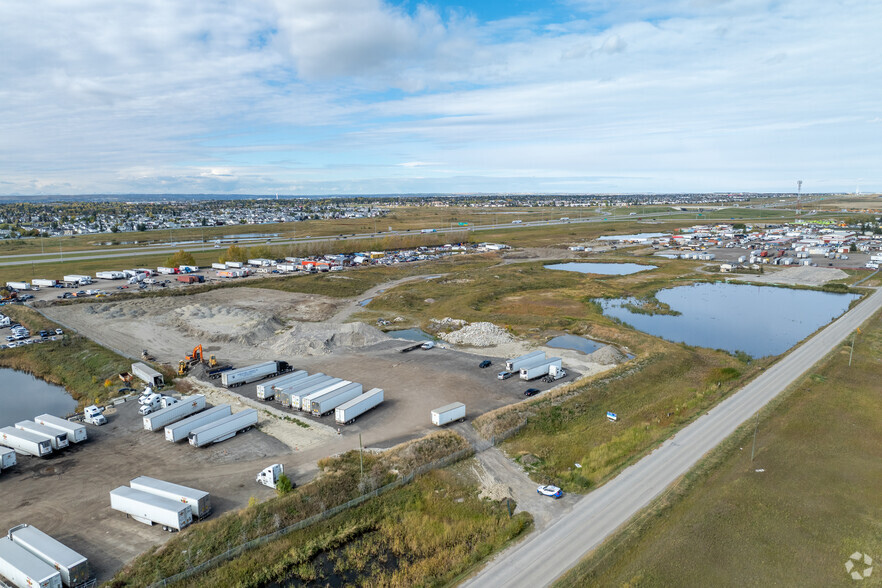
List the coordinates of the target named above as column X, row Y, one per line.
column 22, row 397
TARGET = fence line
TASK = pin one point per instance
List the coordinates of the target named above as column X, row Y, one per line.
column 239, row 549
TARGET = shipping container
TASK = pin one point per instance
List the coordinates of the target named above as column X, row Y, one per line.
column 147, row 374
column 266, row 390
column 7, row 458
column 295, row 396
column 185, row 407
column 76, row 433
column 347, row 413
column 326, row 404
column 224, row 429
column 151, row 509
column 537, row 371
column 57, row 438
column 253, row 373
column 513, row 365
column 43, row 283
column 220, row 266
column 25, row 442
column 306, row 399
column 448, row 413
column 283, row 393
column 24, row 569
column 73, row 567
column 180, row 430
column 199, row 500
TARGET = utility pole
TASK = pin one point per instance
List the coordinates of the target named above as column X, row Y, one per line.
column 361, row 461
column 851, row 353
column 755, row 427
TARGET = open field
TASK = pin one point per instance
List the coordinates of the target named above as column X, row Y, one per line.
column 792, row 515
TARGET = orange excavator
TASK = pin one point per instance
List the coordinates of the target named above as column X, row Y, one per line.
column 195, row 357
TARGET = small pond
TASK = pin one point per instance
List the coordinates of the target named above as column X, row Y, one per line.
column 365, row 302
column 410, row 335
column 574, row 342
column 605, row 269
column 758, row 320
column 22, row 397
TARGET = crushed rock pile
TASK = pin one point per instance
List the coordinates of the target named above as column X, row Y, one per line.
column 446, row 324
column 607, row 355
column 479, row 335
column 321, row 339
column 223, row 324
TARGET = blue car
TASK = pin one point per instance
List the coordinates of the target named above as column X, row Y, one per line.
column 552, row 491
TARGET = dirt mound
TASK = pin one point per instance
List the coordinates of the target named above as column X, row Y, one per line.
column 607, row 355
column 223, row 324
column 479, row 335
column 321, row 339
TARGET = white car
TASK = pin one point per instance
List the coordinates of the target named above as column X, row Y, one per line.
column 549, row 490
column 504, row 375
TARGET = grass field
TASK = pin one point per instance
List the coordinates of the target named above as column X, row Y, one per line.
column 80, row 365
column 815, row 501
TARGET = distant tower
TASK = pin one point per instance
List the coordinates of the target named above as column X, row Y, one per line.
column 798, row 190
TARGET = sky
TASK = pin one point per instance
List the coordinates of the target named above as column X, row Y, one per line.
column 302, row 97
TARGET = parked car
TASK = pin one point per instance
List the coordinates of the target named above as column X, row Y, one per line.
column 549, row 490
column 485, row 364
column 504, row 375
column 531, row 391
column 59, row 332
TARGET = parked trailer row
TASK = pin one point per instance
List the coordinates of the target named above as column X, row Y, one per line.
column 151, row 509
column 347, row 412
column 73, row 567
column 199, row 500
column 306, row 401
column 76, row 433
column 329, row 402
column 188, row 405
column 298, row 396
column 224, row 429
column 285, row 394
column 543, row 369
column 267, row 390
column 57, row 438
column 181, row 430
column 253, row 373
column 24, row 569
column 7, row 458
column 25, row 442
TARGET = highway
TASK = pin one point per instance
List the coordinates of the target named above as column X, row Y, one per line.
column 544, row 557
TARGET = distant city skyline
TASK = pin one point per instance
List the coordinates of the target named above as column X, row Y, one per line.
column 349, row 97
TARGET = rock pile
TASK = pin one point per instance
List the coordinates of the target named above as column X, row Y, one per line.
column 446, row 324
column 479, row 335
column 321, row 339
column 607, row 355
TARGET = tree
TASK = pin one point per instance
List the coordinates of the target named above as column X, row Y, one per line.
column 141, row 227
column 234, row 253
column 180, row 258
column 739, row 226
column 284, row 485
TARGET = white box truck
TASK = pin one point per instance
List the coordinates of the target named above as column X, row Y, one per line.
column 7, row 458
column 219, row 266
column 151, row 509
column 165, row 416
column 73, row 567
column 448, row 413
column 253, row 373
column 347, row 412
column 266, row 390
column 57, row 438
column 180, row 430
column 295, row 397
column 147, row 374
column 542, row 369
column 513, row 365
column 25, row 442
column 111, row 275
column 76, row 433
column 43, row 283
column 24, row 569
column 224, row 429
column 78, row 280
column 18, row 285
column 199, row 500
column 306, row 401
column 326, row 404
column 283, row 393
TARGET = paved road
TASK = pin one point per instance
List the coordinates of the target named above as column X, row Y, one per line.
column 545, row 556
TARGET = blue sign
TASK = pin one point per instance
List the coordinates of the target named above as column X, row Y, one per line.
column 612, row 416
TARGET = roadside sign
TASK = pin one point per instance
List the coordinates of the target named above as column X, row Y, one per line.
column 612, row 416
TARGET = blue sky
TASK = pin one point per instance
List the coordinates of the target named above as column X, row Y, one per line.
column 366, row 96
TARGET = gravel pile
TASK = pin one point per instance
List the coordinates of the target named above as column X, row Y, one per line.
column 608, row 355
column 446, row 324
column 321, row 339
column 479, row 335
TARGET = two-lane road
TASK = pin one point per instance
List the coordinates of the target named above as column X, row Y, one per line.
column 545, row 556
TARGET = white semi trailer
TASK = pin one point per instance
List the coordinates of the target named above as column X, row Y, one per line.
column 151, row 509
column 199, row 500
column 253, row 373
column 448, row 414
column 306, row 401
column 283, row 393
column 296, row 397
column 326, row 404
column 542, row 369
column 7, row 458
column 43, row 283
column 25, row 442
column 57, row 438
column 513, row 365
column 224, row 429
column 73, row 567
column 267, row 390
column 181, row 430
column 24, row 569
column 185, row 407
column 347, row 413
column 76, row 433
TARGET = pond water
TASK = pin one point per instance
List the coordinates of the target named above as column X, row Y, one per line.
column 22, row 397
column 365, row 302
column 637, row 237
column 574, row 342
column 410, row 335
column 605, row 269
column 759, row 320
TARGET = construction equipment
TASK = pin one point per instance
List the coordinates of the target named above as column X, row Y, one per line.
column 126, row 377
column 212, row 361
column 146, row 356
column 195, row 357
column 182, row 367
